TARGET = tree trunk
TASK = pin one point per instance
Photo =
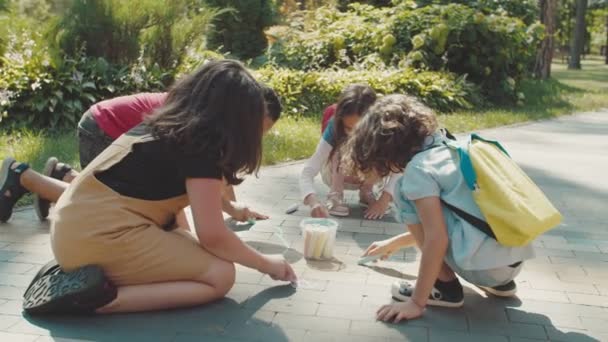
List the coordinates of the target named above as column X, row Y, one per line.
column 548, row 10
column 578, row 40
column 606, row 47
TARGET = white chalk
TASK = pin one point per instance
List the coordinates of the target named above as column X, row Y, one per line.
column 368, row 259
column 292, row 208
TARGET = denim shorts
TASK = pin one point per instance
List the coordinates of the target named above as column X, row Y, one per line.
column 92, row 140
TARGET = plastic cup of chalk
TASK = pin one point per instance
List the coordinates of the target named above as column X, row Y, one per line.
column 319, row 238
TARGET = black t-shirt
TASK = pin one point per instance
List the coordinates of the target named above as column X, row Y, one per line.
column 154, row 170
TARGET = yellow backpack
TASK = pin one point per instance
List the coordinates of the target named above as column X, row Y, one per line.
column 515, row 209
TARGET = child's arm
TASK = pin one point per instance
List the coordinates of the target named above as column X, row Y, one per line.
column 389, row 246
column 433, row 248
column 239, row 213
column 206, row 201
column 310, row 170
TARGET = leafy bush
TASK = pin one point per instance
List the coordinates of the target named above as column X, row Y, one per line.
column 39, row 94
column 241, row 32
column 495, row 51
column 526, row 10
column 119, row 30
column 307, row 93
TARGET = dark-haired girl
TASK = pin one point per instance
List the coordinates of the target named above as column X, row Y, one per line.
column 352, row 105
column 114, row 232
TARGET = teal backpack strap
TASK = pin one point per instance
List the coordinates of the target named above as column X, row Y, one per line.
column 475, row 136
column 466, row 166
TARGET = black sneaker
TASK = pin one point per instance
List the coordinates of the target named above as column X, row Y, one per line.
column 446, row 294
column 54, row 169
column 51, row 267
column 11, row 189
column 78, row 292
column 507, row 290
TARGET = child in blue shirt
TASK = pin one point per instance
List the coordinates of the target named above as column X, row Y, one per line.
column 400, row 133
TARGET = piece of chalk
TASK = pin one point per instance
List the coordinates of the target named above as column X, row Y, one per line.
column 370, row 258
column 251, row 221
column 292, row 208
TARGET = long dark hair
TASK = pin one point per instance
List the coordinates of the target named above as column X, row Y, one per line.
column 355, row 99
column 215, row 112
column 389, row 136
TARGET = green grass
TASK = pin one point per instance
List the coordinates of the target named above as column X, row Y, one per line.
column 568, row 91
column 296, row 138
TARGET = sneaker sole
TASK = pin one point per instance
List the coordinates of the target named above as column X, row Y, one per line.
column 498, row 293
column 41, row 205
column 432, row 302
column 339, row 214
column 51, row 267
column 67, row 292
column 6, row 164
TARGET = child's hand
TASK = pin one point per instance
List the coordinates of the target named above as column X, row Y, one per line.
column 279, row 269
column 245, row 214
column 384, row 248
column 319, row 211
column 377, row 209
column 400, row 311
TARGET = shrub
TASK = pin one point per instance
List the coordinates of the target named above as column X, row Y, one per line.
column 119, row 30
column 36, row 93
column 307, row 93
column 241, row 32
column 526, row 10
column 495, row 51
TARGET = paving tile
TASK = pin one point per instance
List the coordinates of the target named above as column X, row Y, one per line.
column 4, row 336
column 557, row 285
column 595, row 324
column 7, row 255
column 574, row 335
column 591, row 300
column 20, row 280
column 331, row 337
column 11, row 307
column 60, row 339
column 401, row 331
column 15, row 268
column 439, row 335
column 553, row 308
column 6, row 321
column 350, row 312
column 510, row 329
column 557, row 320
column 11, row 292
column 544, row 295
column 317, row 324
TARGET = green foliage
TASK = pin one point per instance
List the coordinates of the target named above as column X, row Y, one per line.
column 526, row 10
column 307, row 93
column 241, row 32
column 343, row 4
column 36, row 93
column 494, row 51
column 118, row 30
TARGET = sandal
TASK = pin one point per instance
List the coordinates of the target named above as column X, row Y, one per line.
column 81, row 291
column 336, row 206
column 11, row 189
column 54, row 169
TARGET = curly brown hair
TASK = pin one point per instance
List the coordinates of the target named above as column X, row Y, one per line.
column 217, row 111
column 387, row 138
